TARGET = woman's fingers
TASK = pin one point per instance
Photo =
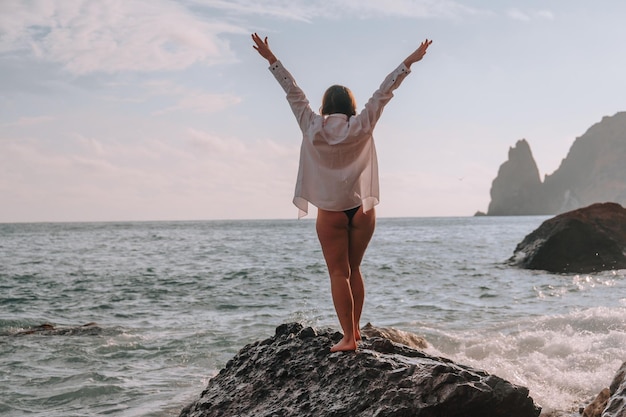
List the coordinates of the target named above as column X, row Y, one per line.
column 261, row 45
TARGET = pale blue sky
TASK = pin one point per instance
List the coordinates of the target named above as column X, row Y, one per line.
column 161, row 109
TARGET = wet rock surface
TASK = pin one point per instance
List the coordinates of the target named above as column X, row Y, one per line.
column 586, row 240
column 616, row 405
column 48, row 329
column 395, row 335
column 595, row 408
column 610, row 402
column 294, row 374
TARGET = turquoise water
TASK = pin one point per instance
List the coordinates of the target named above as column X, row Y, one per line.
column 173, row 301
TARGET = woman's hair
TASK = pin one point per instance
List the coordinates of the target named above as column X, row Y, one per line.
column 338, row 99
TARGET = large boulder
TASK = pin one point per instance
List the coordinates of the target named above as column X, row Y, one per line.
column 294, row 374
column 586, row 240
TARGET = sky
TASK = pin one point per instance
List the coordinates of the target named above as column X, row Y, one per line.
column 124, row 110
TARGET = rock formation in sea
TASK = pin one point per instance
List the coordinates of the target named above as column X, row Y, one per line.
column 293, row 373
column 516, row 189
column 593, row 171
column 586, row 240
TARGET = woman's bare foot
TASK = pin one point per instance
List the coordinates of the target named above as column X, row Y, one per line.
column 345, row 344
column 357, row 334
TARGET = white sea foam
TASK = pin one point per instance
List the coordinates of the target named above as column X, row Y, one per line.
column 564, row 360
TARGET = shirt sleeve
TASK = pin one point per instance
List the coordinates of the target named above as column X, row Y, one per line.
column 393, row 80
column 374, row 107
column 295, row 96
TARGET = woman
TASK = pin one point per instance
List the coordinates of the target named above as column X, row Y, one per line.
column 338, row 174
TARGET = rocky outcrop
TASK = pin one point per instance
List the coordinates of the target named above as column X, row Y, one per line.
column 611, row 402
column 584, row 240
column 593, row 171
column 294, row 374
column 516, row 189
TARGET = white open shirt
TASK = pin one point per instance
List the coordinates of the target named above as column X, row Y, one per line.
column 338, row 164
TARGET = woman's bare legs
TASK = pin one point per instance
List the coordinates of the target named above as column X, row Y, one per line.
column 332, row 231
column 361, row 232
column 343, row 246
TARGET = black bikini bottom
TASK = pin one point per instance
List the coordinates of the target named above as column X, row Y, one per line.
column 350, row 213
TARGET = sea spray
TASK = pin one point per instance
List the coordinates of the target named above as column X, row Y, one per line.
column 563, row 359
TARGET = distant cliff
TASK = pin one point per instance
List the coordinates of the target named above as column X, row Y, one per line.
column 594, row 171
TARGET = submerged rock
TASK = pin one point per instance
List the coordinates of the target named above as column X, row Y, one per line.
column 294, row 374
column 586, row 240
column 48, row 329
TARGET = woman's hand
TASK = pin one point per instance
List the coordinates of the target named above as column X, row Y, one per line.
column 418, row 54
column 263, row 48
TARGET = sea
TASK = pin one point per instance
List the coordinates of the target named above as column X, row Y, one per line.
column 173, row 301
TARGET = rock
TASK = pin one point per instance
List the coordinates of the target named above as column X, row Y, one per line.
column 595, row 408
column 294, row 374
column 610, row 402
column 515, row 190
column 48, row 329
column 616, row 406
column 586, row 240
column 395, row 335
column 593, row 171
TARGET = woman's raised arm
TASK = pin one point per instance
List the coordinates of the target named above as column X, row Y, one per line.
column 417, row 54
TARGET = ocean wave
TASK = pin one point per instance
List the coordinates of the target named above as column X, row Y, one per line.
column 563, row 359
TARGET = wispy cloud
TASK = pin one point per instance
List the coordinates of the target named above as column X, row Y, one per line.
column 116, row 35
column 527, row 16
column 189, row 100
column 288, row 10
column 161, row 35
column 409, row 9
column 202, row 103
column 181, row 178
column 29, row 121
column 213, row 143
column 307, row 10
column 545, row 14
